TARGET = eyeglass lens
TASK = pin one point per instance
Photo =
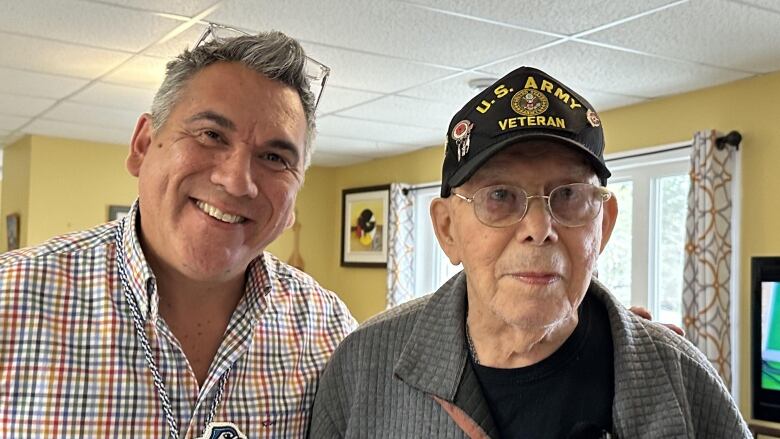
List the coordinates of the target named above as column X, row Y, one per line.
column 571, row 205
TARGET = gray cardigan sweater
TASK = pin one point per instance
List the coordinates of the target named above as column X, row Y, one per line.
column 381, row 380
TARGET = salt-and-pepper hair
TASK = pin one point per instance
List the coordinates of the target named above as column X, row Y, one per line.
column 272, row 54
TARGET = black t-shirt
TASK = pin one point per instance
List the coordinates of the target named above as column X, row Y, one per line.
column 567, row 395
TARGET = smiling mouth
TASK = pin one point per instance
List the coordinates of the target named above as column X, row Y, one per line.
column 213, row 212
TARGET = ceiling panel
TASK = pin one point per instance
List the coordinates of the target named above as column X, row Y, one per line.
column 36, row 84
column 406, row 111
column 638, row 76
column 116, row 96
column 141, row 71
column 23, row 105
column 11, row 123
column 716, row 32
column 384, row 28
column 93, row 115
column 344, row 146
column 80, row 22
column 370, row 72
column 69, row 130
column 179, row 7
column 174, row 46
column 56, row 58
column 560, row 16
column 336, row 98
column 377, row 131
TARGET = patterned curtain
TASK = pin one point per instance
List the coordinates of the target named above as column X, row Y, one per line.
column 707, row 276
column 400, row 255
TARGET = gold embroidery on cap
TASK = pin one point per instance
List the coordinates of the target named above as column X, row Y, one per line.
column 529, row 102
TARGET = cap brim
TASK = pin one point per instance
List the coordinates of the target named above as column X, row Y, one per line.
column 474, row 163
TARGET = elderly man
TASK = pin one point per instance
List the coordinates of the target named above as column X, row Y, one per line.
column 523, row 343
column 174, row 322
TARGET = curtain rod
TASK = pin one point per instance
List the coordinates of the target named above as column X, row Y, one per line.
column 406, row 190
column 733, row 138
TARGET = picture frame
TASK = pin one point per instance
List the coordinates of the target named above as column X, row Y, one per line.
column 117, row 212
column 364, row 219
column 12, row 228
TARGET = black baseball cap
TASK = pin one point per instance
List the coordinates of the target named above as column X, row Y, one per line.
column 525, row 104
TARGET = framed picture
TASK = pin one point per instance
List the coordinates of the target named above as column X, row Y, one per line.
column 12, row 229
column 364, row 226
column 117, row 212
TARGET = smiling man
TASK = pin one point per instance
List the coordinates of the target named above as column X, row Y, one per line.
column 524, row 342
column 173, row 322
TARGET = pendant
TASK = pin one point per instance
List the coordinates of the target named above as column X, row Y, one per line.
column 222, row 430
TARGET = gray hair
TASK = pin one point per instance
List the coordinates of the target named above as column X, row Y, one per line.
column 272, row 54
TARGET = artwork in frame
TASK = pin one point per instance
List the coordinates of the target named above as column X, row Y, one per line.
column 117, row 212
column 364, row 213
column 12, row 230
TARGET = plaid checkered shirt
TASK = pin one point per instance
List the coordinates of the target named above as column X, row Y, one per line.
column 71, row 364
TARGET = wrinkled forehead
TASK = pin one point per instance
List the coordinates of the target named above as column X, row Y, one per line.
column 558, row 156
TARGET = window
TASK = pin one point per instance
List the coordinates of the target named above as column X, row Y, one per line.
column 644, row 260
column 432, row 268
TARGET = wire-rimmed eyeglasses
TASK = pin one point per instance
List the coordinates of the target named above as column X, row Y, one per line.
column 571, row 205
column 316, row 72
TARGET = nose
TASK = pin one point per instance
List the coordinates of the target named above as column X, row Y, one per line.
column 233, row 172
column 537, row 224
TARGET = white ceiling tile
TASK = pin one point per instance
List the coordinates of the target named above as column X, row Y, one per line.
column 716, row 32
column 389, row 28
column 607, row 101
column 56, row 58
column 11, row 123
column 370, row 72
column 93, row 115
column 583, row 66
column 116, row 96
column 187, row 8
column 141, row 71
column 177, row 44
column 333, row 160
column 80, row 22
column 344, row 146
column 559, row 16
column 378, row 131
column 37, row 84
column 453, row 90
column 77, row 131
column 406, row 111
column 23, row 105
column 336, row 98
column 769, row 5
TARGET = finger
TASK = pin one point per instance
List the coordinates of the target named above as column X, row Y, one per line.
column 680, row 331
column 641, row 312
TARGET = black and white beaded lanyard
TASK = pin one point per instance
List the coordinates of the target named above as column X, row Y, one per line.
column 213, row 429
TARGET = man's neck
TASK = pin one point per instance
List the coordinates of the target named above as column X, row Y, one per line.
column 198, row 314
column 504, row 346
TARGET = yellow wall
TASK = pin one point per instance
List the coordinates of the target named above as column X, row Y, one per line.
column 72, row 183
column 16, row 187
column 317, row 203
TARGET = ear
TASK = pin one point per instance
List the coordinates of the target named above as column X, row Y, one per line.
column 441, row 217
column 290, row 220
column 608, row 220
column 139, row 144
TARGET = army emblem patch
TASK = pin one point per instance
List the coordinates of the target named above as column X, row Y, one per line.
column 461, row 134
column 593, row 118
column 529, row 102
